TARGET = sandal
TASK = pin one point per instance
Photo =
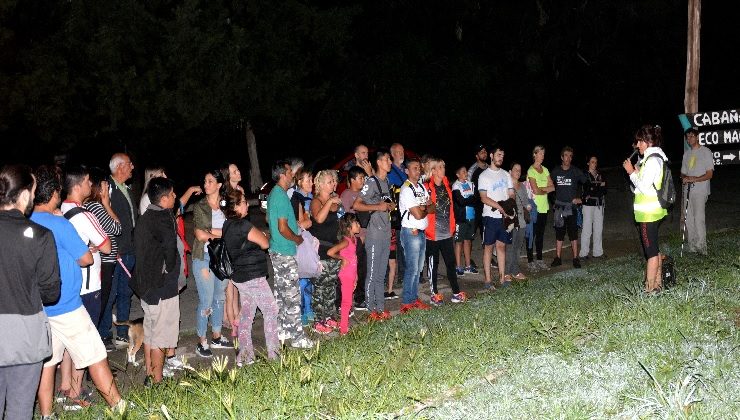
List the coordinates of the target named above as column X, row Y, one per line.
column 520, row 276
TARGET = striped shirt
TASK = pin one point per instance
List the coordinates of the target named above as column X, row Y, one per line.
column 111, row 227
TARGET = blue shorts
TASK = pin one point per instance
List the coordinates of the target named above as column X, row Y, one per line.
column 493, row 230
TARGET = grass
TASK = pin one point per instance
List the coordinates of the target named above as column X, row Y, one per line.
column 578, row 344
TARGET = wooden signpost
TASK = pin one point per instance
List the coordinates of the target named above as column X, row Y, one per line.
column 717, row 130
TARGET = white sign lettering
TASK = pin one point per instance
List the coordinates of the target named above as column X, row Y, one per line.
column 716, row 118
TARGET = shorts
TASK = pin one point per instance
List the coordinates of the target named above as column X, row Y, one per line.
column 571, row 226
column 465, row 231
column 75, row 332
column 91, row 302
column 162, row 323
column 649, row 238
column 493, row 231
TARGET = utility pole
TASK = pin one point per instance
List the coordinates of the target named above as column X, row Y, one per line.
column 691, row 95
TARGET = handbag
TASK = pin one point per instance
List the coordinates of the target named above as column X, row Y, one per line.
column 220, row 260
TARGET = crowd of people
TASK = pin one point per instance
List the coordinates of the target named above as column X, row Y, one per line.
column 75, row 244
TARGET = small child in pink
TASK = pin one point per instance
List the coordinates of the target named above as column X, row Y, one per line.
column 346, row 250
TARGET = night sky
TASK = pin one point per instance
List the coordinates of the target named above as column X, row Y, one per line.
column 173, row 83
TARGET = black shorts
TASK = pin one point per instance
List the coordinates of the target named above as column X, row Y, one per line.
column 649, row 238
column 570, row 225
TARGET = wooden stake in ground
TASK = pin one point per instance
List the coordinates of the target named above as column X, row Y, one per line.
column 691, row 95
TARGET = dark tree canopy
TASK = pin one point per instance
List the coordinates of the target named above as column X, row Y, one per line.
column 180, row 77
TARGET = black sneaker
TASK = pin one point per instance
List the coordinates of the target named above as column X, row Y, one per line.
column 390, row 295
column 108, row 343
column 576, row 263
column 121, row 341
column 556, row 262
column 221, row 343
column 203, row 350
column 360, row 306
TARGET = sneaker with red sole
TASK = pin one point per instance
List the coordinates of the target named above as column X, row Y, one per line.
column 421, row 305
column 331, row 323
column 437, row 299
column 406, row 307
column 375, row 316
column 386, row 315
column 322, row 328
column 459, row 297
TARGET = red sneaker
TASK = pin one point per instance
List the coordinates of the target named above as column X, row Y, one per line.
column 375, row 316
column 331, row 323
column 407, row 307
column 385, row 315
column 322, row 328
column 421, row 305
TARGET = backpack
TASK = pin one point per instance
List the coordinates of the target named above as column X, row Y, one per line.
column 667, row 190
column 668, row 271
column 69, row 215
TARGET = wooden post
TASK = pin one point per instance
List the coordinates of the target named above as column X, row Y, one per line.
column 691, row 98
column 255, row 178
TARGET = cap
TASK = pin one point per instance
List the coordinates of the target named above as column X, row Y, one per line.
column 480, row 147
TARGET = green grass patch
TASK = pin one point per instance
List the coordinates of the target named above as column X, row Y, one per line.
column 577, row 344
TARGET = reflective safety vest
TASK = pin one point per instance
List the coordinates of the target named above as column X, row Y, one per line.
column 646, row 206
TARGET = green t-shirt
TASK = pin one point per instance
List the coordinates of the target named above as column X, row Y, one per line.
column 278, row 207
column 541, row 179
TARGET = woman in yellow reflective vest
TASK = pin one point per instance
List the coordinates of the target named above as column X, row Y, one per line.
column 648, row 212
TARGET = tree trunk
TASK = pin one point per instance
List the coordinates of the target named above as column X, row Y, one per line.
column 255, row 178
column 691, row 98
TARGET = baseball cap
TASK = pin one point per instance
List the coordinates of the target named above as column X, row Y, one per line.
column 480, row 147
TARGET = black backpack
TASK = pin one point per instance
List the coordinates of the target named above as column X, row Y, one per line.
column 667, row 190
column 668, row 270
column 364, row 216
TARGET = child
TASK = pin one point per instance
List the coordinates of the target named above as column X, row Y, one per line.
column 464, row 198
column 346, row 251
column 301, row 202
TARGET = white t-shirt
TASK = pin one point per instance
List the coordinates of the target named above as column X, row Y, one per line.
column 217, row 222
column 91, row 233
column 412, row 197
column 496, row 184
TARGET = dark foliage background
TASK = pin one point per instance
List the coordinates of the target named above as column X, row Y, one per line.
column 176, row 81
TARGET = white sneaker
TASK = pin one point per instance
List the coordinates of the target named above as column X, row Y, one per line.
column 167, row 372
column 174, row 363
column 303, row 343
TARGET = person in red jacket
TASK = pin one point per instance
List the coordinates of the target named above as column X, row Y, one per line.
column 440, row 231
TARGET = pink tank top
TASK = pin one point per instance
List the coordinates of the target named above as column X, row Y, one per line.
column 350, row 252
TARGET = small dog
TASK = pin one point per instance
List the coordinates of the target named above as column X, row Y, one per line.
column 135, row 337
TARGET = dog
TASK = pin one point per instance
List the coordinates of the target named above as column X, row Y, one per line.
column 135, row 337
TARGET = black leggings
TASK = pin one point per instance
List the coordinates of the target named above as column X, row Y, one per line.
column 539, row 236
column 106, row 281
column 447, row 248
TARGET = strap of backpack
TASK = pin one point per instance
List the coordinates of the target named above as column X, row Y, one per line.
column 74, row 212
column 664, row 162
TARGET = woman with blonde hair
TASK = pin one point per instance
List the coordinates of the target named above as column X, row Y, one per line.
column 541, row 183
column 324, row 213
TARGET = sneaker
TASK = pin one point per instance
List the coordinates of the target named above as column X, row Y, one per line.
column 505, row 284
column 576, row 263
column 331, row 323
column 375, row 316
column 541, row 264
column 174, row 363
column 421, row 305
column 240, row 363
column 360, row 306
column 322, row 328
column 390, row 295
column 121, row 341
column 488, row 286
column 108, row 343
column 471, row 269
column 203, row 350
column 556, row 262
column 437, row 299
column 407, row 307
column 221, row 343
column 520, row 277
column 459, row 297
column 386, row 315
column 460, row 271
column 51, row 416
column 303, row 343
column 283, row 335
column 167, row 372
